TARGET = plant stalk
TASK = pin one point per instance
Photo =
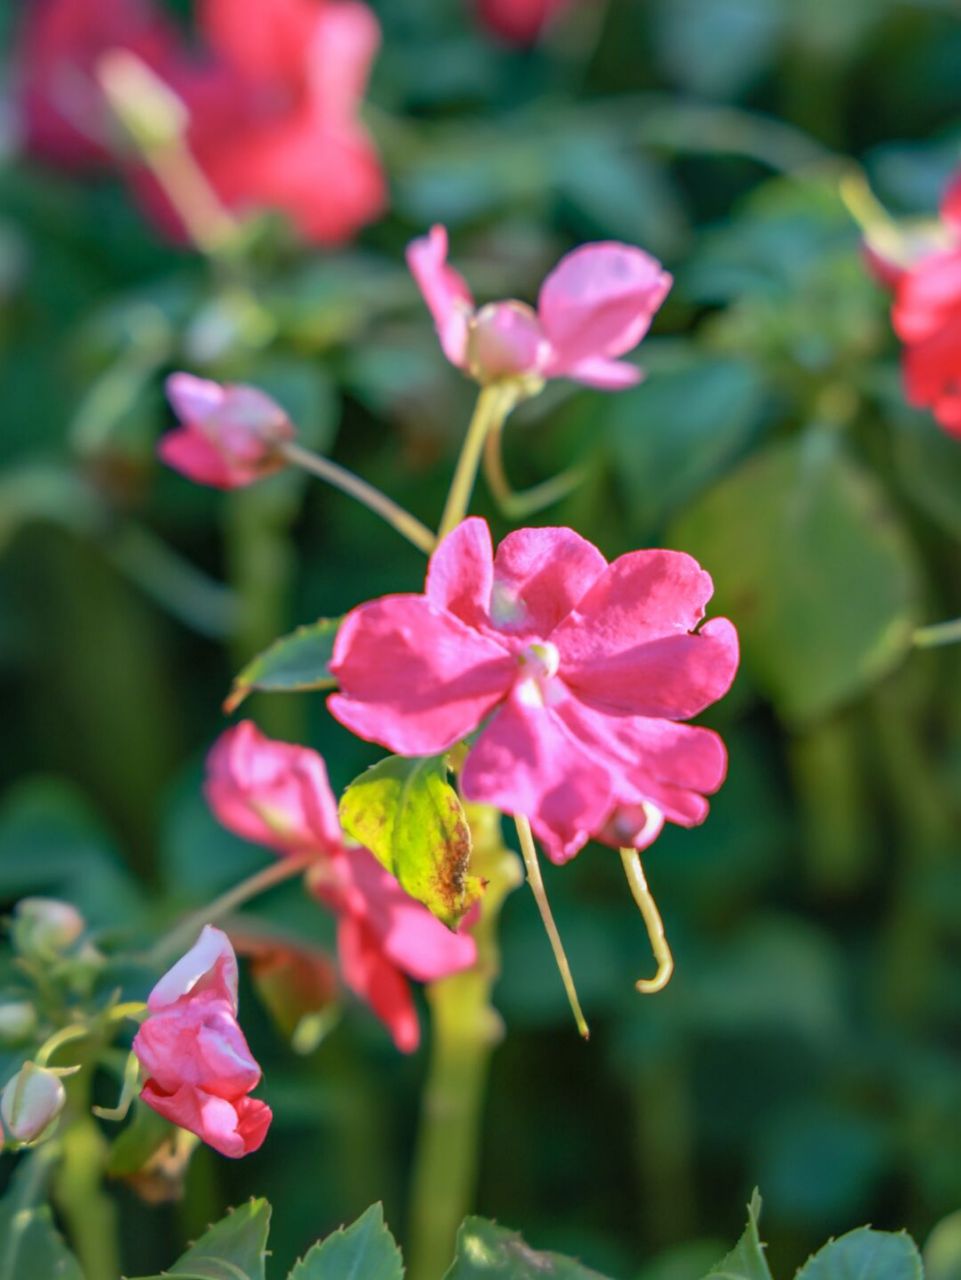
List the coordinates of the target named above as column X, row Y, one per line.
column 493, row 405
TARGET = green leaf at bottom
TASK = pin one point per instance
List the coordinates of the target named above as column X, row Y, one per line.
column 233, row 1249
column 365, row 1251
column 746, row 1260
column 866, row 1255
column 486, row 1251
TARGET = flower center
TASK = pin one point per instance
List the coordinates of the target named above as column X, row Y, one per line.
column 540, row 661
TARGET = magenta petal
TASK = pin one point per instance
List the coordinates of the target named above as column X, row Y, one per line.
column 413, row 678
column 372, row 977
column 599, row 301
column 674, row 677
column 461, row 572
column 951, row 205
column 195, row 457
column 525, row 762
column 445, row 291
column 641, row 596
column 410, row 937
column 539, row 575
column 234, row 1129
column 343, row 47
column 606, row 375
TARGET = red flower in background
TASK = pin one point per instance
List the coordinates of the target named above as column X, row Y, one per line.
column 274, row 101
column 519, row 21
column 62, row 111
column 927, row 318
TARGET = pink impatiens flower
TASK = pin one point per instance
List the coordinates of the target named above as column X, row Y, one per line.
column 574, row 670
column 229, row 436
column 199, row 1068
column 277, row 794
column 595, row 306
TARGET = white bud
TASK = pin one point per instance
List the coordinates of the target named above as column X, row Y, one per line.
column 45, row 927
column 31, row 1102
column 18, row 1021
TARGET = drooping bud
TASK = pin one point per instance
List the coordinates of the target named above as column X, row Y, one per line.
column 43, row 928
column 31, row 1103
column 18, row 1022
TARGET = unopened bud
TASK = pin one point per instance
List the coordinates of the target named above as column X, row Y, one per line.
column 44, row 928
column 82, row 969
column 506, row 341
column 145, row 105
column 31, row 1102
column 18, row 1021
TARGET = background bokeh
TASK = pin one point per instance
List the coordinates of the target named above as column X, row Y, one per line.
column 809, row 1042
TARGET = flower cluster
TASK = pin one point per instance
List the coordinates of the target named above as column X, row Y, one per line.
column 199, row 1069
column 272, row 99
column 277, row 794
column 575, row 671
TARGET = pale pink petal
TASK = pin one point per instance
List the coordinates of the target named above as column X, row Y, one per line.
column 539, row 576
column 606, row 375
column 341, row 51
column 526, row 762
column 413, row 678
column 272, row 793
column 506, row 341
column 192, row 399
column 196, row 458
column 460, row 575
column 372, row 977
column 674, row 677
column 409, row 936
column 445, row 291
column 209, row 965
column 599, row 301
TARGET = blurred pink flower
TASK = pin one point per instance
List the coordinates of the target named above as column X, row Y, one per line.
column 277, row 794
column 199, row 1068
column 926, row 315
column 228, row 435
column 275, row 115
column 64, row 118
column 596, row 305
column 574, row 670
column 519, row 21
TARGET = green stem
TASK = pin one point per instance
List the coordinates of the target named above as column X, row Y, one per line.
column 465, row 1031
column 493, row 405
column 519, row 505
column 938, row 634
column 406, row 524
column 636, row 878
column 536, row 882
column 89, row 1213
column 185, row 934
column 29, row 1185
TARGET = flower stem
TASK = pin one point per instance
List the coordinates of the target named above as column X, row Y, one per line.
column 465, row 1031
column 652, row 919
column 519, row 505
column 536, row 882
column 493, row 405
column 87, row 1210
column 938, row 634
column 184, row 935
column 406, row 524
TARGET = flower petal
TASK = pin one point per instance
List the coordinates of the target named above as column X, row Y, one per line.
column 196, row 458
column 413, row 678
column 209, row 965
column 599, row 301
column 460, row 576
column 445, row 291
column 539, row 575
column 526, row 762
column 342, row 48
column 372, row 977
column 234, row 1129
column 606, row 375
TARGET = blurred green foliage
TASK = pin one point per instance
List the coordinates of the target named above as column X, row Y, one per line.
column 809, row 1042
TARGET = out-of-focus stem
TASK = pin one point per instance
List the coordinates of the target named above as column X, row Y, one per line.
column 937, row 634
column 89, row 1213
column 536, row 882
column 516, row 504
column 465, row 1030
column 493, row 405
column 334, row 474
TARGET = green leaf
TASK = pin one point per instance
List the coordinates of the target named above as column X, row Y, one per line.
column 293, row 664
column 412, row 820
column 365, row 1251
column 233, row 1249
column 29, row 1242
column 486, row 1251
column 880, row 1255
column 746, row 1261
column 814, row 570
column 942, row 1249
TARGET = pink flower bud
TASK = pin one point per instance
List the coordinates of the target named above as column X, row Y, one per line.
column 229, row 436
column 199, row 1068
column 505, row 340
column 44, row 928
column 31, row 1102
